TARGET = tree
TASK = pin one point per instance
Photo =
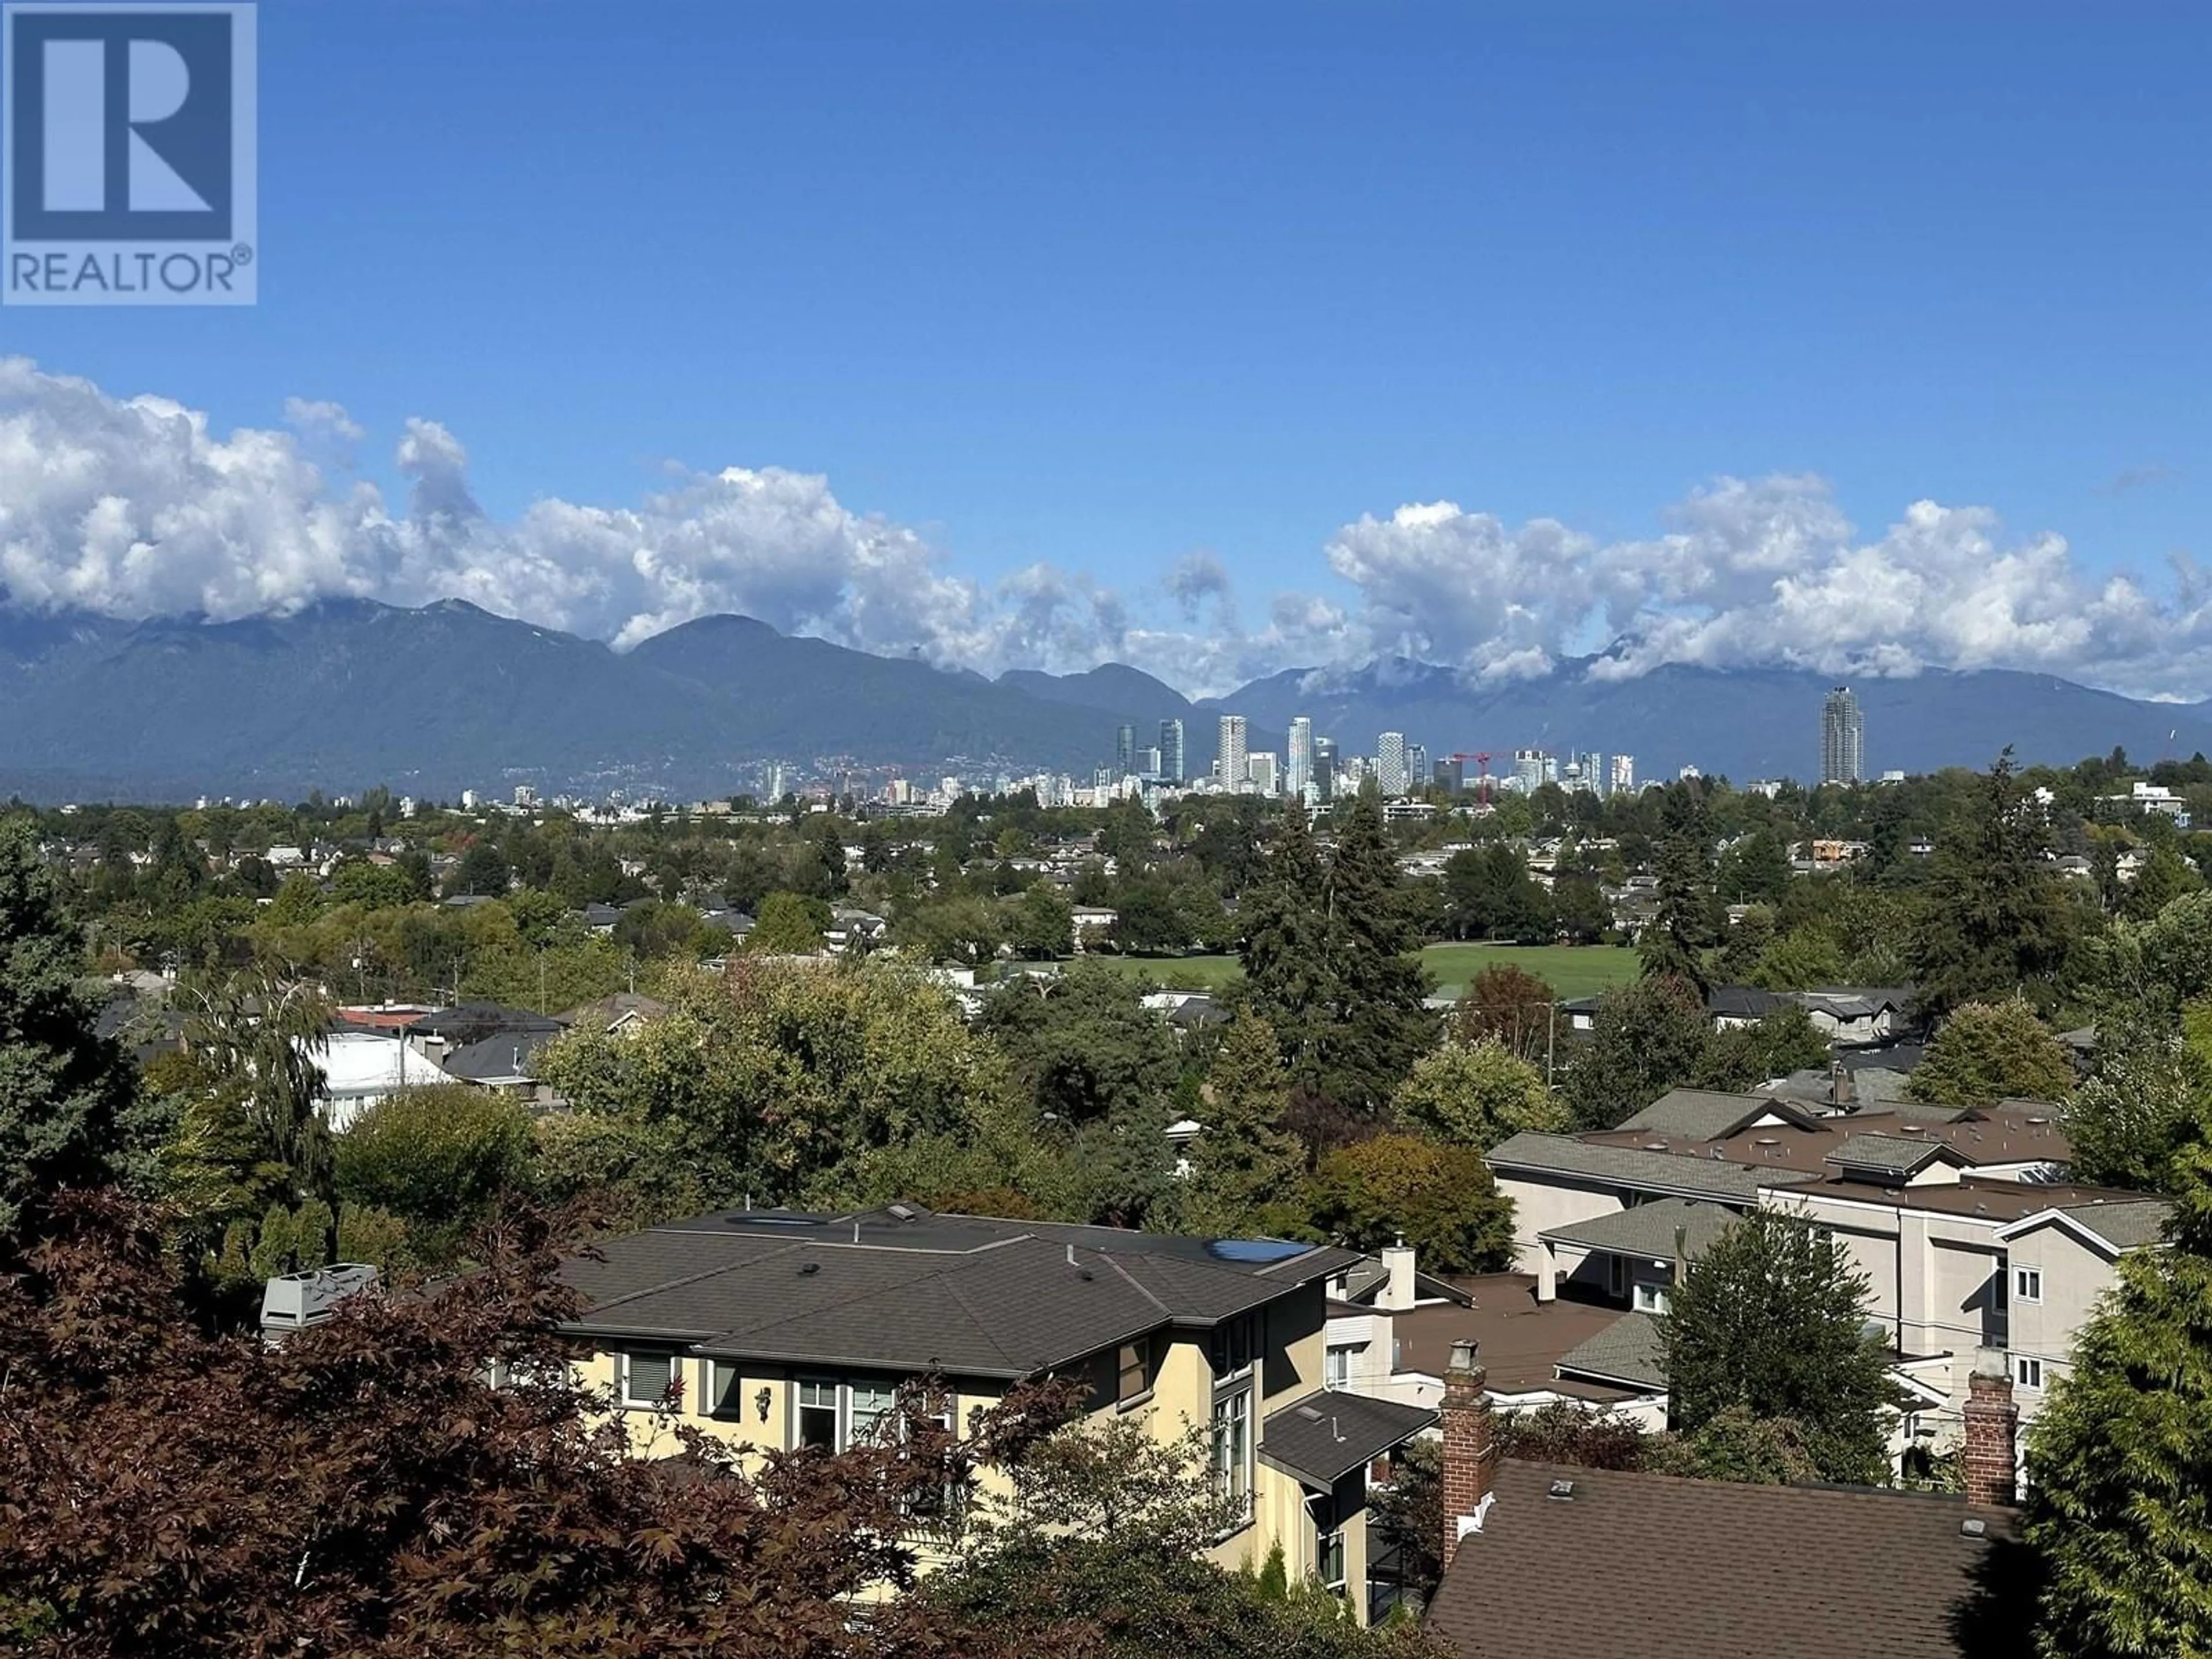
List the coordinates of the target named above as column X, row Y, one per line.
column 1291, row 970
column 1648, row 1038
column 439, row 1157
column 1085, row 1042
column 2117, row 1505
column 1756, row 869
column 1674, row 944
column 1476, row 1095
column 1989, row 1051
column 1741, row 1057
column 255, row 1040
column 789, row 925
column 1040, row 923
column 1997, row 919
column 68, row 1114
column 362, row 1489
column 1736, row 1444
column 1381, row 1024
column 2165, row 877
column 1245, row 1168
column 2142, row 1103
column 1772, row 1320
column 1509, row 1004
column 484, row 870
column 1441, row 1200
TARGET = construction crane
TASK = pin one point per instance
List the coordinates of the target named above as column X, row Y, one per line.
column 1482, row 758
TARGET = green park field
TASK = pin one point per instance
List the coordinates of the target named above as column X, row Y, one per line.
column 1574, row 970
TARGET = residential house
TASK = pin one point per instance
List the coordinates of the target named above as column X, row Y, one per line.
column 616, row 1015
column 777, row 1330
column 1706, row 1569
column 1960, row 1221
column 1369, row 1300
column 361, row 1066
column 488, row 1045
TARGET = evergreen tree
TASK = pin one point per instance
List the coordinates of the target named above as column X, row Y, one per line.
column 1382, row 1024
column 1244, row 1166
column 1676, row 940
column 1772, row 1320
column 1997, row 919
column 1290, row 970
column 2119, row 1506
column 66, row 1094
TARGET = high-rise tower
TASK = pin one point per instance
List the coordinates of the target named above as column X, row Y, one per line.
column 1843, row 737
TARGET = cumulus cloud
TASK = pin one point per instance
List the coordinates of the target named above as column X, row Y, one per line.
column 1766, row 572
column 137, row 506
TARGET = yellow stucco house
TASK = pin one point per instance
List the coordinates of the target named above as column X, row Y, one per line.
column 775, row 1329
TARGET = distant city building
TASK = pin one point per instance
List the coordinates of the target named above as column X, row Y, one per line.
column 1148, row 763
column 1259, row 772
column 1532, row 769
column 1324, row 768
column 1689, row 771
column 1124, row 749
column 1171, row 751
column 1391, row 764
column 1843, row 737
column 1229, row 763
column 1417, row 766
column 1299, row 773
column 1621, row 775
column 525, row 795
column 1590, row 767
column 1450, row 775
column 468, row 800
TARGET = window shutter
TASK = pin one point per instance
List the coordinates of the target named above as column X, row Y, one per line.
column 650, row 1375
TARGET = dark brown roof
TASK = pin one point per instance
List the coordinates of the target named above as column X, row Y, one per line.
column 1710, row 1569
column 1519, row 1338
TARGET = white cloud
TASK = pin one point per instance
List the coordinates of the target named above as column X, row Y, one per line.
column 136, row 506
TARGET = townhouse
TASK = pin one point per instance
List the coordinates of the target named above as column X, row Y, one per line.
column 776, row 1330
column 1962, row 1222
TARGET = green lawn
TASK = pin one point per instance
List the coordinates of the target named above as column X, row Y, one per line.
column 1575, row 970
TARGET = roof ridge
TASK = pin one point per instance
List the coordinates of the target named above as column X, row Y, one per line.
column 1142, row 1289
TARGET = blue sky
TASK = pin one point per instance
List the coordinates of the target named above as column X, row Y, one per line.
column 1108, row 286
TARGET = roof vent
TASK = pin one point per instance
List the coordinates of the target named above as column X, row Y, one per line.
column 903, row 1212
column 1655, row 1145
column 1310, row 1414
column 1974, row 1527
column 2038, row 1120
column 1767, row 1140
column 1562, row 1490
column 810, row 1267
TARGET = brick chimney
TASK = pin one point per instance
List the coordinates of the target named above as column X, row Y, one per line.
column 1468, row 1455
column 1992, row 1432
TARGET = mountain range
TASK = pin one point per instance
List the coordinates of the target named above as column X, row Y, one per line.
column 350, row 693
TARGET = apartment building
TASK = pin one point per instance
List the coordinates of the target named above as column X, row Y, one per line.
column 776, row 1330
column 1963, row 1222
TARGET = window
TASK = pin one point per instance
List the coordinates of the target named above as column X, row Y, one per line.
column 866, row 1405
column 1617, row 1276
column 1235, row 1345
column 1336, row 1365
column 1650, row 1298
column 2027, row 1284
column 725, row 1388
column 816, row 1409
column 647, row 1379
column 1233, row 1450
column 1329, row 1561
column 2027, row 1372
column 1138, row 1362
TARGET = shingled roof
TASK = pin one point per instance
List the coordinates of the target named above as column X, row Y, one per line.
column 901, row 1289
column 1648, row 1230
column 1326, row 1436
column 1627, row 1353
column 1716, row 1570
column 1635, row 1166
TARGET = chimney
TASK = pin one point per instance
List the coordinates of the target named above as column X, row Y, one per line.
column 1468, row 1457
column 1992, row 1432
column 1398, row 1294
column 1840, row 1086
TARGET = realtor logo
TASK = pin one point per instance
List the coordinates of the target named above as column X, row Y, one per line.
column 128, row 164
